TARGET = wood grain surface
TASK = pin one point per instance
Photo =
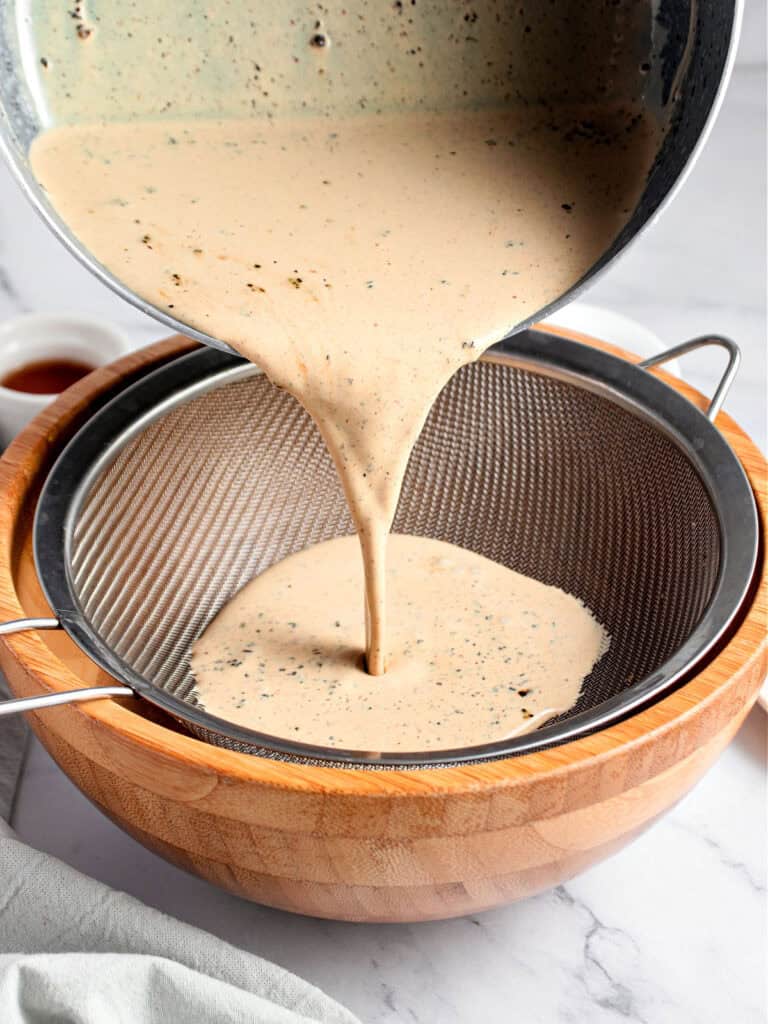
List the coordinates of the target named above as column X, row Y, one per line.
column 344, row 843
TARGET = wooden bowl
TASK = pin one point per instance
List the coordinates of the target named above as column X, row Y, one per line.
column 340, row 843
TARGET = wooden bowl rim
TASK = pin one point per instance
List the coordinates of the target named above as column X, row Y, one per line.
column 20, row 470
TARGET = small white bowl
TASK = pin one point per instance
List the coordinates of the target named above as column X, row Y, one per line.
column 37, row 337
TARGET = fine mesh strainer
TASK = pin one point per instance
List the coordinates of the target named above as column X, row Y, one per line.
column 555, row 459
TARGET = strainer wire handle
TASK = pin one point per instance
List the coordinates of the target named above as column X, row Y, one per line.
column 49, row 700
column 734, row 358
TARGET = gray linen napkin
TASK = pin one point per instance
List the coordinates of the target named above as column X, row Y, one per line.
column 13, row 744
column 75, row 951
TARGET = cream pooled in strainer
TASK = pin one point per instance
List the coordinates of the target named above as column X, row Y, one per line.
column 477, row 652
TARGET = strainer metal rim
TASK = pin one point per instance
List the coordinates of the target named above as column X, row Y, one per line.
column 142, row 402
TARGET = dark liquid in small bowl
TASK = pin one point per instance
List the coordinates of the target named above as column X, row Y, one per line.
column 45, row 377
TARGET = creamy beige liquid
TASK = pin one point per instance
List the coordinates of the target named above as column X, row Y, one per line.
column 477, row 653
column 360, row 262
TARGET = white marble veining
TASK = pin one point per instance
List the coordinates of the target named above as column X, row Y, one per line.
column 672, row 930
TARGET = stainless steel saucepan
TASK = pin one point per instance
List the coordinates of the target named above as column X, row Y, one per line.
column 670, row 57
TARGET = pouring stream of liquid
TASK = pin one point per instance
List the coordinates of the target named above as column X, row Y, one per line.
column 361, row 261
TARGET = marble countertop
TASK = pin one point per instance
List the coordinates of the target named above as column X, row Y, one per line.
column 670, row 931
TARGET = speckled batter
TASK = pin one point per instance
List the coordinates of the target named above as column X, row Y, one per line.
column 360, row 262
column 477, row 652
column 360, row 199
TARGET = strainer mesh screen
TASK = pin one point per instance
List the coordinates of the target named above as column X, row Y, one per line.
column 540, row 475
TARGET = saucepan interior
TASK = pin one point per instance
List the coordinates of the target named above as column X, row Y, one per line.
column 256, row 59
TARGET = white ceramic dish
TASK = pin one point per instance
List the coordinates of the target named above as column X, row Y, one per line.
column 622, row 330
column 36, row 337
